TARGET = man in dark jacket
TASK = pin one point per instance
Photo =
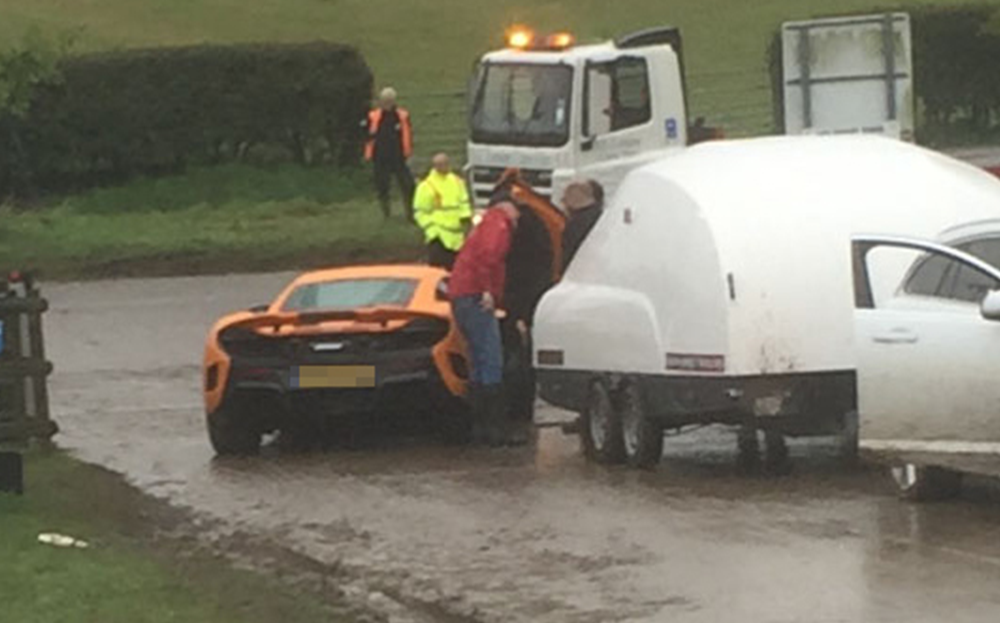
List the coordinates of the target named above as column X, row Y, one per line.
column 476, row 291
column 584, row 202
column 389, row 146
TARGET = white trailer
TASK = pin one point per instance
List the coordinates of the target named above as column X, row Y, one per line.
column 848, row 75
column 718, row 288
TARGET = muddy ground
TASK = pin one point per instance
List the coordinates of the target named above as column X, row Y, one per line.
column 424, row 532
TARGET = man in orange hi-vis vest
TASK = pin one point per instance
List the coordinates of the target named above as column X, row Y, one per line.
column 388, row 148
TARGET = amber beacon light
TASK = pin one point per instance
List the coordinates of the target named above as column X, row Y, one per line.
column 520, row 37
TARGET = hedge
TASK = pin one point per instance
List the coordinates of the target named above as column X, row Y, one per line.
column 114, row 115
column 955, row 73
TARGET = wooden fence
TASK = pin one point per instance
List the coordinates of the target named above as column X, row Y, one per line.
column 24, row 397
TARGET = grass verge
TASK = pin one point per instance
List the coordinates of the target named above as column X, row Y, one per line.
column 224, row 219
column 127, row 575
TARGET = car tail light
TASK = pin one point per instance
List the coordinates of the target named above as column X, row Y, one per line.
column 246, row 343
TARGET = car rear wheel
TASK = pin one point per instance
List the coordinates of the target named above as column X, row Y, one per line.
column 232, row 435
column 916, row 483
column 454, row 421
column 642, row 437
column 601, row 427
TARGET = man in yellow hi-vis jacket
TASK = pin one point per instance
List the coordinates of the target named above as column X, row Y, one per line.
column 441, row 208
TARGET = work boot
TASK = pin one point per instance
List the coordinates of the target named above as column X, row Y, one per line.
column 517, row 434
column 495, row 415
column 478, row 432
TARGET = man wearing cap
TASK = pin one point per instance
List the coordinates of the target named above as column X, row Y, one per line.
column 388, row 147
column 476, row 290
column 584, row 202
column 442, row 209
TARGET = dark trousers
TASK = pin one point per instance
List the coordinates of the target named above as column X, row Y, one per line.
column 439, row 256
column 385, row 171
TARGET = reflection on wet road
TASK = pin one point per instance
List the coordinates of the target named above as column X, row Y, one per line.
column 532, row 534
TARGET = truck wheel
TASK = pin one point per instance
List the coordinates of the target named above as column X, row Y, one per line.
column 916, row 483
column 602, row 430
column 642, row 437
column 232, row 435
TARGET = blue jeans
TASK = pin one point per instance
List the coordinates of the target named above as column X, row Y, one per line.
column 482, row 334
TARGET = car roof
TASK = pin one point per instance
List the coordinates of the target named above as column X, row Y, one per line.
column 985, row 228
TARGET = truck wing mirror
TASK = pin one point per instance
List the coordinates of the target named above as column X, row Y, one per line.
column 587, row 143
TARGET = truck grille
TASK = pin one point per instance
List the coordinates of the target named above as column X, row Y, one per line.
column 484, row 179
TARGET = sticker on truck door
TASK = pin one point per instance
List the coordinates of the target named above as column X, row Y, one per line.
column 671, row 127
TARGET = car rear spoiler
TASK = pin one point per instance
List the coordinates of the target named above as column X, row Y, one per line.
column 376, row 315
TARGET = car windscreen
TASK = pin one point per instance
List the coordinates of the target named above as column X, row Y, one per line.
column 522, row 104
column 351, row 294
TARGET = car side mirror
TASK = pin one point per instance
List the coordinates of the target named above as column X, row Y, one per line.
column 587, row 143
column 258, row 309
column 990, row 307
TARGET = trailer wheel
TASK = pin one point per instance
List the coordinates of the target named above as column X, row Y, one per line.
column 916, row 483
column 776, row 459
column 848, row 443
column 642, row 437
column 601, row 432
column 748, row 449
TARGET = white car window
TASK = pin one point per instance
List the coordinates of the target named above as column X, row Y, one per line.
column 942, row 277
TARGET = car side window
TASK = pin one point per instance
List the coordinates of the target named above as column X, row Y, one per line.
column 970, row 284
column 942, row 277
column 931, row 276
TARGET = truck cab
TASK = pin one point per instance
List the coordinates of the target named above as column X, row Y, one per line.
column 557, row 111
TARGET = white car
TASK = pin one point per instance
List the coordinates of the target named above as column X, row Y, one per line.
column 928, row 364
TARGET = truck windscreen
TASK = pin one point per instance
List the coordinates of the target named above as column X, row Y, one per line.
column 522, row 104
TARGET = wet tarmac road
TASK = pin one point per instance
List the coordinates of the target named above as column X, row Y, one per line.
column 524, row 535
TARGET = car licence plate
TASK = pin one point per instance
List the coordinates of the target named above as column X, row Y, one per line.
column 316, row 377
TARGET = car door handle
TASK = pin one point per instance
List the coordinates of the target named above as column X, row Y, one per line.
column 896, row 336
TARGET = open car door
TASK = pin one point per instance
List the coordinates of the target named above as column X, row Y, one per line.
column 928, row 364
column 534, row 265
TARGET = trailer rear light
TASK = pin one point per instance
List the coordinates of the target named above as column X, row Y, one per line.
column 696, row 363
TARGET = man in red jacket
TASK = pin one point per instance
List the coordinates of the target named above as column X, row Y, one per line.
column 476, row 290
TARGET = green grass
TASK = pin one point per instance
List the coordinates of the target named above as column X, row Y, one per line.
column 423, row 47
column 125, row 576
column 426, row 47
column 210, row 220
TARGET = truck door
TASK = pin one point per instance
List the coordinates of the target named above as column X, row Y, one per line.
column 617, row 115
column 927, row 356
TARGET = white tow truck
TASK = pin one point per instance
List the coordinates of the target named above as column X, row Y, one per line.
column 557, row 111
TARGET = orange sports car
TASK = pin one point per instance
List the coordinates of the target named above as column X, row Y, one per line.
column 354, row 340
column 337, row 341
